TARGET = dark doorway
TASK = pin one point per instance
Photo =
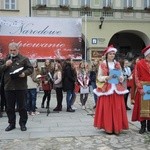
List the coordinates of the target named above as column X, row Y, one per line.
column 129, row 45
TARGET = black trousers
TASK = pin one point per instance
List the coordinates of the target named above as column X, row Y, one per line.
column 126, row 96
column 0, row 104
column 3, row 100
column 59, row 97
column 11, row 97
column 47, row 94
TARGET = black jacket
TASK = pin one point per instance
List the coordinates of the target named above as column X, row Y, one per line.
column 1, row 74
column 16, row 83
column 92, row 76
column 68, row 78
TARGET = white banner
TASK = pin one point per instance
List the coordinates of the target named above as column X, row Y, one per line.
column 39, row 26
column 42, row 38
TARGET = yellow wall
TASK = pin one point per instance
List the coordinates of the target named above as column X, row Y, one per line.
column 109, row 28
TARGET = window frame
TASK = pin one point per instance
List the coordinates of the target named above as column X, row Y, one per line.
column 146, row 3
column 10, row 4
column 107, row 3
column 85, row 3
column 127, row 3
column 41, row 2
column 64, row 2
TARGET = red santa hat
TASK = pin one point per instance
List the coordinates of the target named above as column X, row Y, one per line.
column 146, row 50
column 110, row 49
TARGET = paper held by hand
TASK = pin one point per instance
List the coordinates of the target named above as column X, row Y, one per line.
column 146, row 89
column 115, row 74
column 17, row 70
column 38, row 76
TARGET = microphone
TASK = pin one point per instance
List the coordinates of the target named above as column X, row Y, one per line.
column 11, row 56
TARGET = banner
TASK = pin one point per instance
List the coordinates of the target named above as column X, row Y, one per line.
column 42, row 38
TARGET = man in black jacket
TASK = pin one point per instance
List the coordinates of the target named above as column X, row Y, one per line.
column 16, row 68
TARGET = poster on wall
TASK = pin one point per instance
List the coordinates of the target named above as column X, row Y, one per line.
column 96, row 54
column 42, row 38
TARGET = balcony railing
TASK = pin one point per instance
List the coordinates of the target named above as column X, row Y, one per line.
column 125, row 9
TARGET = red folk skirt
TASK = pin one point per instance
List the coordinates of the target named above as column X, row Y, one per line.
column 111, row 114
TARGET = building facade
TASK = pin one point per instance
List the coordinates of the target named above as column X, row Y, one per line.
column 14, row 8
column 123, row 23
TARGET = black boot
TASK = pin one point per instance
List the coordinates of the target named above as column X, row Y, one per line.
column 10, row 127
column 56, row 108
column 148, row 125
column 70, row 109
column 60, row 107
column 42, row 105
column 143, row 127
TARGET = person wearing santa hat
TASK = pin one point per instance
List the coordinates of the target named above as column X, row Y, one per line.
column 141, row 109
column 110, row 113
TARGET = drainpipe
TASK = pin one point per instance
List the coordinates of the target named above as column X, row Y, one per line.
column 29, row 8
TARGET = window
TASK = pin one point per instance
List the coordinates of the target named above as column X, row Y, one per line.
column 107, row 14
column 96, row 2
column 41, row 2
column 64, row 2
column 107, row 3
column 128, row 3
column 85, row 3
column 146, row 3
column 10, row 4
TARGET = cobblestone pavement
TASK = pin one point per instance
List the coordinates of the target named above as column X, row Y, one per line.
column 127, row 141
column 70, row 131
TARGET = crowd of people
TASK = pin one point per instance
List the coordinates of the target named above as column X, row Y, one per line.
column 112, row 83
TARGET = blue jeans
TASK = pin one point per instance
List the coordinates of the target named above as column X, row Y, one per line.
column 31, row 99
column 93, row 84
column 73, row 98
column 69, row 98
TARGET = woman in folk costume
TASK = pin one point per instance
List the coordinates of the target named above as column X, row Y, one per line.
column 110, row 112
column 141, row 110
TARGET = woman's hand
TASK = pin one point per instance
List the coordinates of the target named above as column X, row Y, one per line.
column 141, row 91
column 22, row 75
column 132, row 101
column 121, row 79
column 108, row 78
column 130, row 77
